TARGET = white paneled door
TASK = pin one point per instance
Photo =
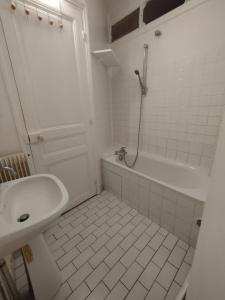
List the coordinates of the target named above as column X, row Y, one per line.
column 51, row 73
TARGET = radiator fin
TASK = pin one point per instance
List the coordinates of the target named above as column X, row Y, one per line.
column 16, row 161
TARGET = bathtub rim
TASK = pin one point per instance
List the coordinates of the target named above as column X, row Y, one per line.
column 199, row 194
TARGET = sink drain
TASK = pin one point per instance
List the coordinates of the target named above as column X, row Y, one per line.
column 23, row 218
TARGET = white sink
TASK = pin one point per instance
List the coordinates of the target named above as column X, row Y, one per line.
column 38, row 199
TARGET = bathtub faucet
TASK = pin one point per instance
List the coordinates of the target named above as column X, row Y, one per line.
column 121, row 153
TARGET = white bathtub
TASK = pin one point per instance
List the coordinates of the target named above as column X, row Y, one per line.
column 190, row 181
column 170, row 193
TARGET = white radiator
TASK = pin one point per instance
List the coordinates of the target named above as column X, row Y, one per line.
column 16, row 161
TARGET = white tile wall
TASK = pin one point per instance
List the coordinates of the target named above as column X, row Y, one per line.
column 173, row 211
column 182, row 112
column 186, row 80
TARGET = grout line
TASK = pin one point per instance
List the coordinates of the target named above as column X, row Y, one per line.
column 153, row 263
column 128, row 291
column 137, row 280
column 173, row 266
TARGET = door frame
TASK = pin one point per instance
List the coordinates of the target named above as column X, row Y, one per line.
column 12, row 89
column 14, row 98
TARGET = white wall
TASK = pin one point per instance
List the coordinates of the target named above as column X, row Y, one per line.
column 186, row 81
column 102, row 85
column 9, row 142
column 208, row 272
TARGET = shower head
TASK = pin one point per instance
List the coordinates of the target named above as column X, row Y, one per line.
column 143, row 88
column 136, row 72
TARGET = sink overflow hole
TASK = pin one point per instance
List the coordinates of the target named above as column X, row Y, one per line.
column 23, row 218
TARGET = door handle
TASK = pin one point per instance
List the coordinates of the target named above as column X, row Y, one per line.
column 40, row 138
column 35, row 138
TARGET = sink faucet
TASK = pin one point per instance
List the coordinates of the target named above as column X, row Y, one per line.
column 121, row 153
column 8, row 169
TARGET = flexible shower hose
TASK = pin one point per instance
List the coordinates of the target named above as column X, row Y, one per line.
column 139, row 133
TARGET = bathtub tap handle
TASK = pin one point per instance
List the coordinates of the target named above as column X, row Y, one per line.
column 121, row 150
column 121, row 153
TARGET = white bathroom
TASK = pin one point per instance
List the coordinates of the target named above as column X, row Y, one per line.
column 112, row 147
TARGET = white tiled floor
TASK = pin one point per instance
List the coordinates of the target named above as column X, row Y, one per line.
column 106, row 250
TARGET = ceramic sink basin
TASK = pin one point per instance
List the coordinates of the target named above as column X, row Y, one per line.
column 27, row 206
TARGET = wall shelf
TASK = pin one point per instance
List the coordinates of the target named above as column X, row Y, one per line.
column 107, row 57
